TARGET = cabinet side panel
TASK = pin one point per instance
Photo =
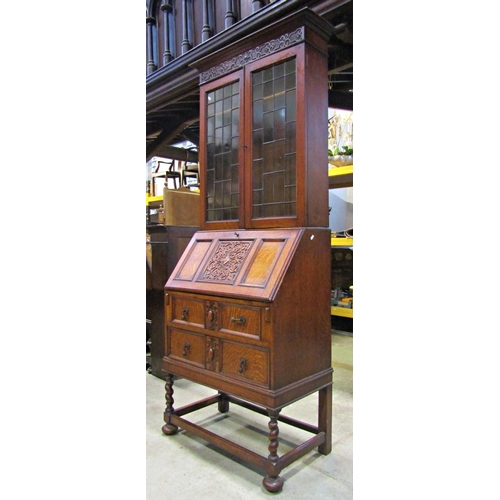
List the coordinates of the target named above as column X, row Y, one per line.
column 302, row 338
column 316, row 97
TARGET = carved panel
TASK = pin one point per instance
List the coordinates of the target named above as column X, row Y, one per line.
column 226, row 262
column 212, row 313
column 284, row 41
column 212, row 356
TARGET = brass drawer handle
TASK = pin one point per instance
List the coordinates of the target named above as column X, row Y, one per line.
column 243, row 363
column 241, row 320
column 185, row 313
column 186, row 349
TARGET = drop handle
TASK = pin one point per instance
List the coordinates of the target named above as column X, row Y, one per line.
column 186, row 349
column 185, row 313
column 243, row 364
column 241, row 320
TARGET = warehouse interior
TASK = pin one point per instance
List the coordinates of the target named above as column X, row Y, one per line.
column 179, row 160
column 426, row 416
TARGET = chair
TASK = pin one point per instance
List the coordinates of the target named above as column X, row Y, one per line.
column 169, row 173
column 191, row 169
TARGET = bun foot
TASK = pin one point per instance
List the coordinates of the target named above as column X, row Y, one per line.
column 169, row 429
column 273, row 484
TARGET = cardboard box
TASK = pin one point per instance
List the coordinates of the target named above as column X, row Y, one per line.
column 181, row 207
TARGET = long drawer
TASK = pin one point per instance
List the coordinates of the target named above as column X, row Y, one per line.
column 233, row 359
column 216, row 314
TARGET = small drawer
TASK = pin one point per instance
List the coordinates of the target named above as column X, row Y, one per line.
column 242, row 320
column 242, row 361
column 189, row 347
column 188, row 311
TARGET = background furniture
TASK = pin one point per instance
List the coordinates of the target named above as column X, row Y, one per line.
column 191, row 170
column 170, row 173
column 167, row 245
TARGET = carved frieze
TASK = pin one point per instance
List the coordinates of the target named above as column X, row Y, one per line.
column 284, row 41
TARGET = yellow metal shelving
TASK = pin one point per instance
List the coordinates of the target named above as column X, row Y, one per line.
column 339, row 177
column 153, row 199
column 341, row 242
column 345, row 312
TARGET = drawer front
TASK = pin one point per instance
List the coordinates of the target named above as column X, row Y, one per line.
column 188, row 311
column 242, row 320
column 245, row 362
column 188, row 347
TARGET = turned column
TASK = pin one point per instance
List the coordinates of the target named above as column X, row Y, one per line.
column 167, row 9
column 186, row 44
column 151, row 66
column 230, row 18
column 273, row 482
column 169, row 428
column 206, row 31
column 256, row 5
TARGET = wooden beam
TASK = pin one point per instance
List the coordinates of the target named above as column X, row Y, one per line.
column 340, row 69
column 174, row 153
column 167, row 136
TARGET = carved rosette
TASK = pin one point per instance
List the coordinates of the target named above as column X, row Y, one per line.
column 226, row 262
column 270, row 47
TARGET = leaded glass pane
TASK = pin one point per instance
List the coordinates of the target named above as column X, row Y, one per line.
column 222, row 183
column 274, row 140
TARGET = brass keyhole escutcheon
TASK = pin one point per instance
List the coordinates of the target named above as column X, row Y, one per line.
column 185, row 313
column 243, row 363
column 186, row 349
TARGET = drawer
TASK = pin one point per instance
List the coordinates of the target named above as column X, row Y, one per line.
column 242, row 361
column 242, row 320
column 188, row 311
column 188, row 347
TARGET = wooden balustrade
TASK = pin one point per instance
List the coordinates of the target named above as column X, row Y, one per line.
column 229, row 18
column 176, row 26
column 167, row 15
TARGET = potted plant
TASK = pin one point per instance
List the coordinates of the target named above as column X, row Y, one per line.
column 340, row 158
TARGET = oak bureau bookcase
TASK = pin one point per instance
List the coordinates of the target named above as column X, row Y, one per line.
column 247, row 308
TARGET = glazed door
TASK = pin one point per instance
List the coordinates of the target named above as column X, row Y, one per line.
column 221, row 152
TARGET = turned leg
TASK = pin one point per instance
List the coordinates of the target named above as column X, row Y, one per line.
column 169, row 428
column 325, row 418
column 272, row 482
column 223, row 404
